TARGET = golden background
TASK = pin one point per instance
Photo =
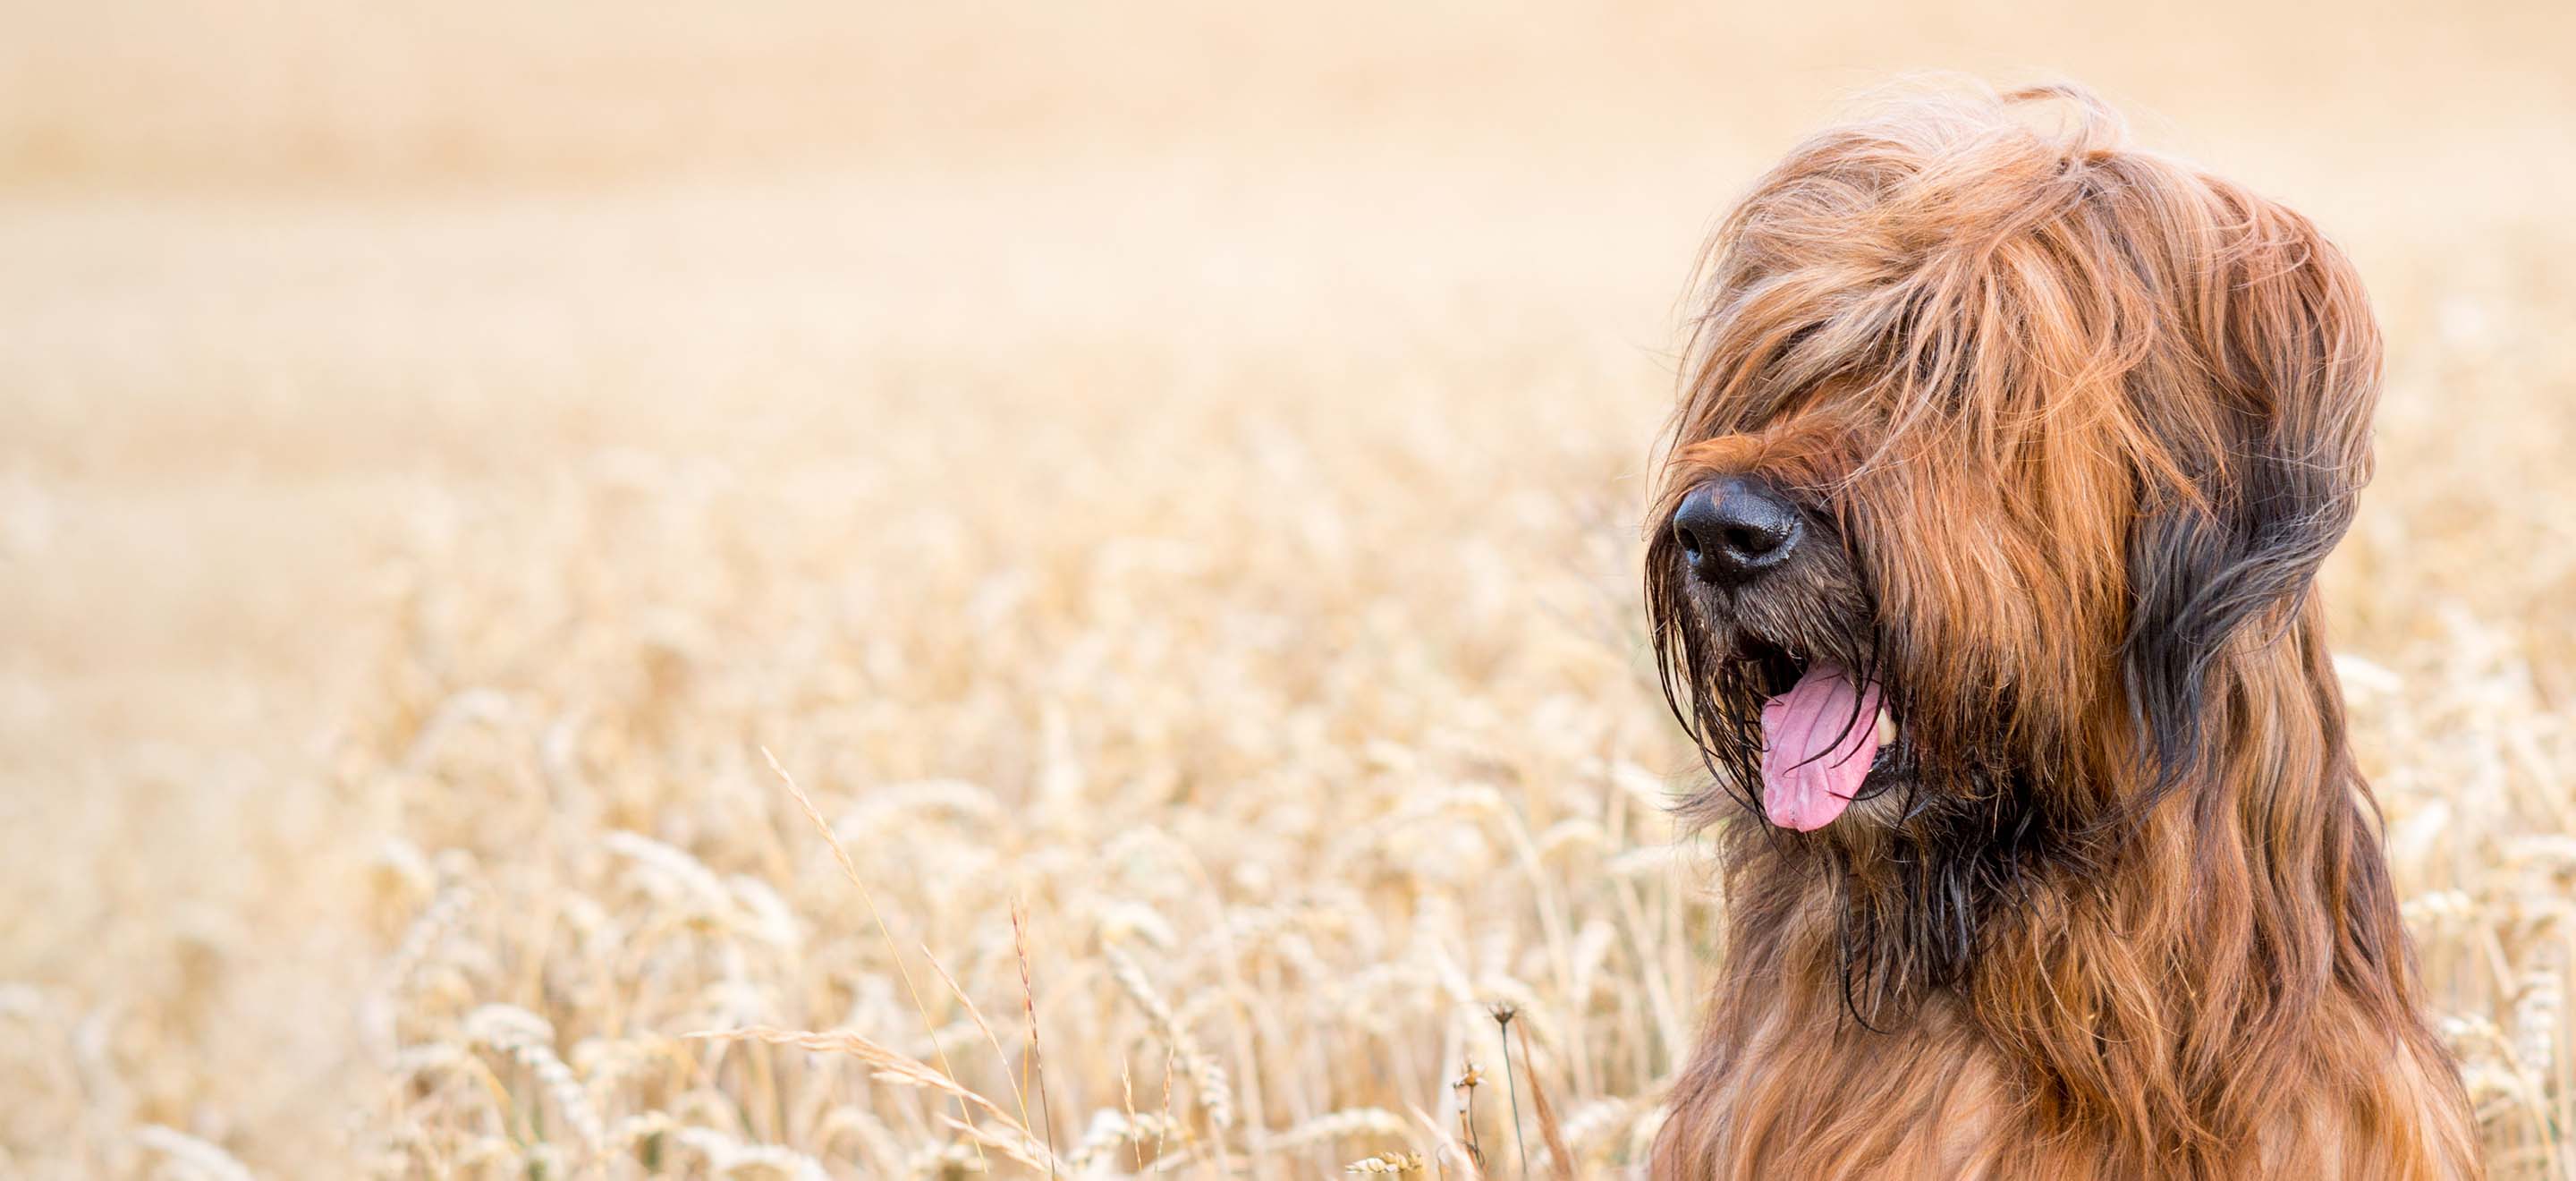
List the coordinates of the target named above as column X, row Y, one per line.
column 1175, row 468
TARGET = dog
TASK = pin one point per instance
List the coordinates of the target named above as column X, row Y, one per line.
column 1981, row 573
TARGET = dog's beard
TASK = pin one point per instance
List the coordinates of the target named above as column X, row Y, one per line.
column 1781, row 688
column 1926, row 847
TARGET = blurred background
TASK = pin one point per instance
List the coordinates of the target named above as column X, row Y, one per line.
column 1166, row 472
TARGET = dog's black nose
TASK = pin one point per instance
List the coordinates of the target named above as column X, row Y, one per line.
column 1735, row 527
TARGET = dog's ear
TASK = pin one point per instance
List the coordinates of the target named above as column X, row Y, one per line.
column 2264, row 423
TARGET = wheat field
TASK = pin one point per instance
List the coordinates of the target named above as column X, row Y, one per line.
column 1163, row 486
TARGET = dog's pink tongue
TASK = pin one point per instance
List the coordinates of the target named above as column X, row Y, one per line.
column 1817, row 742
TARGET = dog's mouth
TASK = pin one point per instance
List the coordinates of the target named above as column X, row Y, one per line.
column 1828, row 737
column 1771, row 653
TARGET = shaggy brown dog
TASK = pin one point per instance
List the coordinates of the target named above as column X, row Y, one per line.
column 1981, row 574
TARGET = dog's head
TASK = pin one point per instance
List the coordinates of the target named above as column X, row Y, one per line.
column 1998, row 440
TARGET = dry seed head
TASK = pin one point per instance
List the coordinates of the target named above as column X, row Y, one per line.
column 528, row 1039
column 1215, row 1089
column 632, row 1130
column 1337, row 1125
column 730, row 1157
column 189, row 1158
column 948, row 1160
column 2437, row 906
column 672, row 870
column 435, row 921
column 1594, row 1118
column 1112, row 1129
column 2536, row 1013
column 1131, row 978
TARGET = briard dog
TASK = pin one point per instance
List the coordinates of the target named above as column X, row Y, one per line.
column 1982, row 574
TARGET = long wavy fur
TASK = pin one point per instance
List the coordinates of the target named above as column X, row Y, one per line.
column 2082, row 421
